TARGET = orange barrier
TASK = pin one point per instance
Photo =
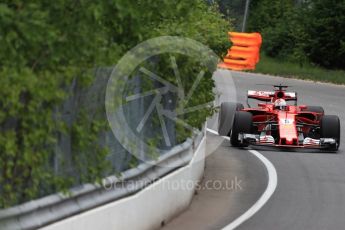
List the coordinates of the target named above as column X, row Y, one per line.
column 244, row 54
column 233, row 66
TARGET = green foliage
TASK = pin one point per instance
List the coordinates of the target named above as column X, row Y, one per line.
column 89, row 163
column 281, row 28
column 207, row 26
column 287, row 39
column 326, row 28
column 45, row 46
column 267, row 13
column 189, row 69
column 311, row 31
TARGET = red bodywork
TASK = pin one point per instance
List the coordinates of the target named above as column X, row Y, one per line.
column 286, row 125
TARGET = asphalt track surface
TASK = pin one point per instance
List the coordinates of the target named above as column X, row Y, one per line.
column 311, row 185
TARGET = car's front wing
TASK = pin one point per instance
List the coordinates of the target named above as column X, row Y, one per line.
column 266, row 140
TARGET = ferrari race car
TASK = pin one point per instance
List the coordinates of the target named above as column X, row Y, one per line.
column 276, row 123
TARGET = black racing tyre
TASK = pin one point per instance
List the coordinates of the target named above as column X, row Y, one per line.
column 330, row 128
column 243, row 123
column 316, row 109
column 226, row 116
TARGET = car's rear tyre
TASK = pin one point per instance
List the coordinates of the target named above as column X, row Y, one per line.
column 226, row 116
column 330, row 128
column 315, row 109
column 243, row 123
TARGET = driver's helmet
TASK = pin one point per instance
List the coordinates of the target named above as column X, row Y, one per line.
column 280, row 104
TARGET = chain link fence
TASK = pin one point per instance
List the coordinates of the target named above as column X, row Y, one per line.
column 91, row 100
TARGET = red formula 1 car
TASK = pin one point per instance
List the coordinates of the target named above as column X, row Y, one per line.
column 275, row 123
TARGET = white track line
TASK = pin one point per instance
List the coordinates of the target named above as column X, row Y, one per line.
column 271, row 187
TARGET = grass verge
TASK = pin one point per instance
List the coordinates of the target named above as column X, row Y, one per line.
column 273, row 66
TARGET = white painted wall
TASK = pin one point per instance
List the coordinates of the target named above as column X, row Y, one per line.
column 146, row 209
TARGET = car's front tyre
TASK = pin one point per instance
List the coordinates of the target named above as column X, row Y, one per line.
column 226, row 116
column 243, row 123
column 330, row 128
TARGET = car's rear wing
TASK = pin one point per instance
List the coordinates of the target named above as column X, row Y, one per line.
column 270, row 95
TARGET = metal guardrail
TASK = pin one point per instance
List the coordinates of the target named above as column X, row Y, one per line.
column 55, row 207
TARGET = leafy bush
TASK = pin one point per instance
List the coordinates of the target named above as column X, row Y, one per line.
column 264, row 14
column 44, row 47
column 287, row 39
column 310, row 31
column 278, row 21
column 326, row 28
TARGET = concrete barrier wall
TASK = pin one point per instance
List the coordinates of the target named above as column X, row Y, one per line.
column 147, row 209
